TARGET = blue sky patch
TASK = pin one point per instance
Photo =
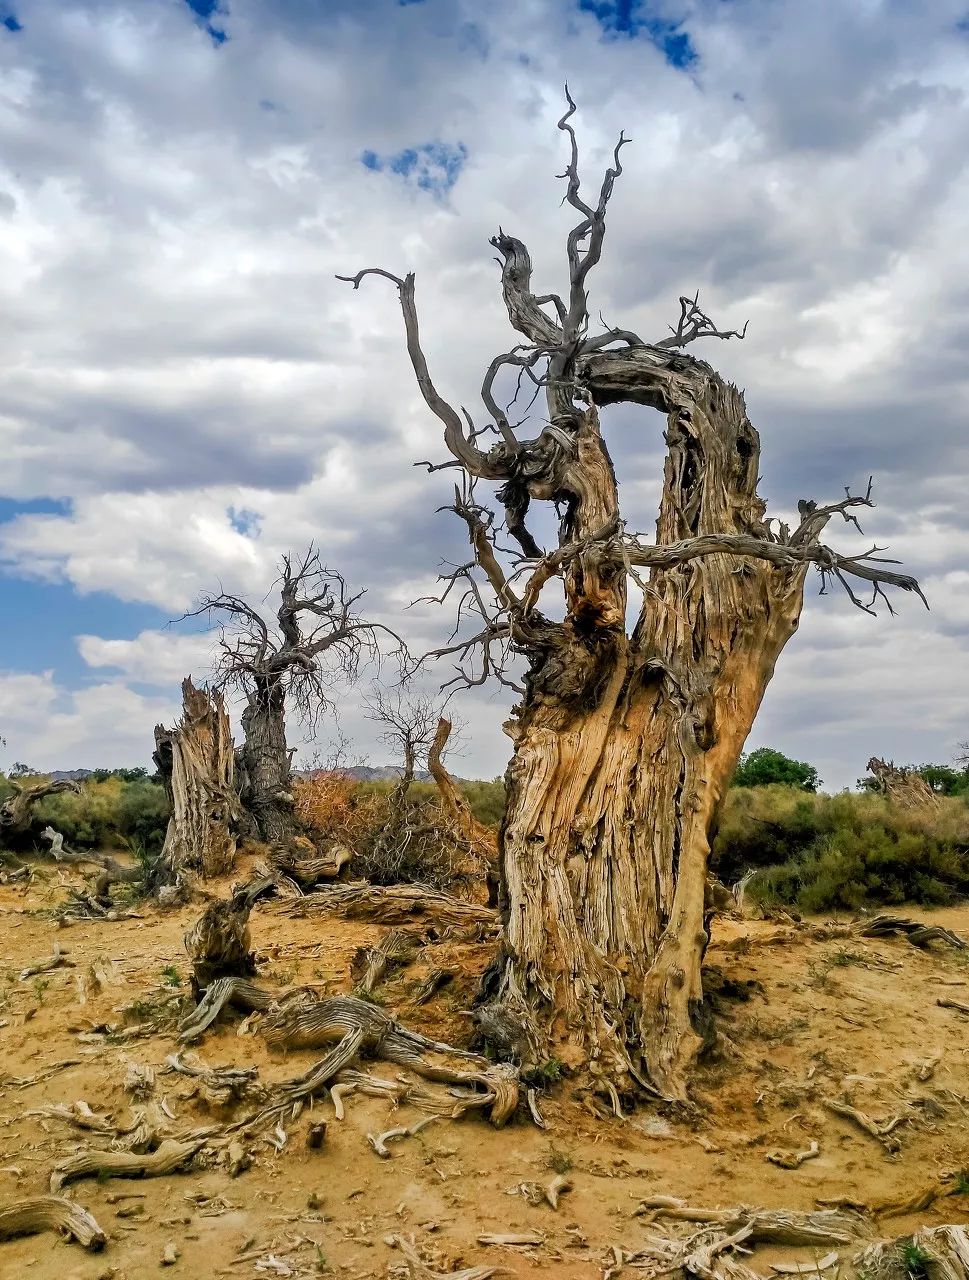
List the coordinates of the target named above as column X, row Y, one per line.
column 634, row 18
column 433, row 166
column 206, row 10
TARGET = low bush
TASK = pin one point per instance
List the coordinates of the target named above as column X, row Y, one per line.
column 109, row 814
column 845, row 851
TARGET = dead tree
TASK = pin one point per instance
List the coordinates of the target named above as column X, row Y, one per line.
column 16, row 811
column 624, row 739
column 197, row 764
column 294, row 665
column 904, row 787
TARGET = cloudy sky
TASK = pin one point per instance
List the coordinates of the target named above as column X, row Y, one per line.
column 186, row 391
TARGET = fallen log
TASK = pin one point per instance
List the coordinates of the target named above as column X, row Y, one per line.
column 168, row 1156
column 391, row 904
column 51, row 1213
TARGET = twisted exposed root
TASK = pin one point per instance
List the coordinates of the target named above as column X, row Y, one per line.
column 920, row 935
column 170, row 1155
column 239, row 992
column 419, row 1270
column 881, row 1131
column 301, row 862
column 50, row 1213
column 763, row 1226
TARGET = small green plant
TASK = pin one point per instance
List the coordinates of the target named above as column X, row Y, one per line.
column 961, row 1187
column 914, row 1258
column 171, row 977
column 371, row 997
column 545, row 1074
column 559, row 1161
column 40, row 986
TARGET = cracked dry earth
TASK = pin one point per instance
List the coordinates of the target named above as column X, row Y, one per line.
column 809, row 1015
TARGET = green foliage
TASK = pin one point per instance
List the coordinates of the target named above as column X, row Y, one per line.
column 846, row 851
column 109, row 813
column 914, row 1258
column 544, row 1074
column 487, row 800
column 765, row 766
column 559, row 1161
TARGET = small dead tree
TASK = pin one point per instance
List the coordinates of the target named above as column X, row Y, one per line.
column 197, row 763
column 904, row 787
column 16, row 811
column 292, row 665
column 624, row 739
column 409, row 725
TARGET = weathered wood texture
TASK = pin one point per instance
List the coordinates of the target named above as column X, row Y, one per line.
column 197, row 762
column 625, row 737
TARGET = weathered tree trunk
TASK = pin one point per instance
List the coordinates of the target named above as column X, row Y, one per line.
column 903, row 787
column 197, row 763
column 623, row 749
column 266, row 762
column 624, row 743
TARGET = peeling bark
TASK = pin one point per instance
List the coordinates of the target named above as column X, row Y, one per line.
column 197, row 763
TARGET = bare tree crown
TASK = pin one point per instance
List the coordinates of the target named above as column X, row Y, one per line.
column 579, row 370
column 317, row 640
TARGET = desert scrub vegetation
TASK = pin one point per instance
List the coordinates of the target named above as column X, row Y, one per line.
column 123, row 809
column 333, row 808
column 844, row 851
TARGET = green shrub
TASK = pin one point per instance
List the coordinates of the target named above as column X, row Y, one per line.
column 109, row 813
column 845, row 851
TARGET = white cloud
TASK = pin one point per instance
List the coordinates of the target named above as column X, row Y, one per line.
column 183, row 369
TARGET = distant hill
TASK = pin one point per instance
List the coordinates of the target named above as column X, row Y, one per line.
column 367, row 773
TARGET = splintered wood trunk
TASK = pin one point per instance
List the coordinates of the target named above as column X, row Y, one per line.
column 265, row 762
column 624, row 745
column 197, row 762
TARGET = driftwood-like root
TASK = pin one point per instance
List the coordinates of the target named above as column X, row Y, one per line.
column 392, row 904
column 418, row 1270
column 920, row 935
column 793, row 1160
column 51, row 1213
column 58, row 960
column 238, row 992
column 880, row 1130
column 167, row 1158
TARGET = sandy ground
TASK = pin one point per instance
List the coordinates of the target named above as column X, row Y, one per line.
column 807, row 1016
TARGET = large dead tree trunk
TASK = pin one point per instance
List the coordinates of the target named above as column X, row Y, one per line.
column 624, row 740
column 197, row 763
column 265, row 762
